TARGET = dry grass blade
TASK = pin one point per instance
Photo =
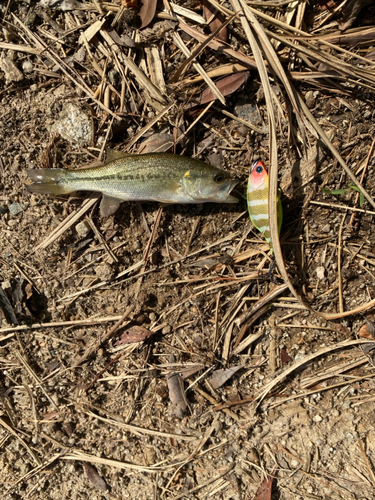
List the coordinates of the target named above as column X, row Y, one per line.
column 78, row 455
column 181, row 45
column 139, row 431
column 299, row 106
column 141, row 78
column 24, row 444
column 333, row 150
column 200, row 49
column 95, row 346
column 321, row 352
column 218, row 46
column 68, row 222
column 73, row 76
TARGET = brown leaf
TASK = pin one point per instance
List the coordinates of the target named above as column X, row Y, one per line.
column 156, row 143
column 209, row 11
column 129, row 4
column 284, row 357
column 265, row 489
column 219, row 377
column 94, row 477
column 147, row 11
column 134, row 334
column 226, row 85
column 367, row 331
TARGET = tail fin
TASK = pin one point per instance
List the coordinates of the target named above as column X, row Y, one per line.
column 48, row 181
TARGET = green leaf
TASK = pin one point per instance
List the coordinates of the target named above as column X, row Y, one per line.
column 334, row 191
column 361, row 199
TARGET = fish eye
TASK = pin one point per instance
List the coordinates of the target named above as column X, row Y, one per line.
column 259, row 170
column 218, row 178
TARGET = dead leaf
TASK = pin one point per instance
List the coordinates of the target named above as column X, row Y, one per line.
column 209, row 11
column 156, row 143
column 129, row 4
column 350, row 12
column 147, row 11
column 134, row 334
column 367, row 331
column 284, row 357
column 226, row 85
column 176, row 391
column 219, row 377
column 265, row 489
column 94, row 477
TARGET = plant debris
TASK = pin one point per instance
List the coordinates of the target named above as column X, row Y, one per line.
column 150, row 347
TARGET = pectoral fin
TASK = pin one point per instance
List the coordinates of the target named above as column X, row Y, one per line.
column 108, row 205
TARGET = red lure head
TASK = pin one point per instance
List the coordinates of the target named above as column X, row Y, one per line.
column 258, row 174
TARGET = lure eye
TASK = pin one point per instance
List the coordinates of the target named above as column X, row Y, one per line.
column 219, row 178
column 259, row 170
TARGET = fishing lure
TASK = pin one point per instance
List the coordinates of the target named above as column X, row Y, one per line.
column 257, row 201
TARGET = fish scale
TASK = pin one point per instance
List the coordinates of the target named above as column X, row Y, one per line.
column 257, row 201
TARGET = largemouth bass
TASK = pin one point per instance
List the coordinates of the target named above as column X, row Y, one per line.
column 257, row 201
column 161, row 177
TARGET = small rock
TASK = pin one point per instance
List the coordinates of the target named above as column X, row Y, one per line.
column 12, row 73
column 27, row 67
column 326, row 228
column 16, row 208
column 74, row 125
column 248, row 112
column 317, row 419
column 310, row 99
column 83, row 229
column 320, row 272
column 166, row 329
column 104, row 271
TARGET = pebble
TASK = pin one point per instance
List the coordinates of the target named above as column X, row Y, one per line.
column 16, row 208
column 166, row 329
column 326, row 228
column 74, row 125
column 310, row 99
column 27, row 67
column 104, row 271
column 320, row 272
column 317, row 418
column 83, row 229
column 248, row 112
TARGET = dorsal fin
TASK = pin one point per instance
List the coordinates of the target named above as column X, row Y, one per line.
column 114, row 154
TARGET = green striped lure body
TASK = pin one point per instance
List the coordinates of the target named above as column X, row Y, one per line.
column 257, row 201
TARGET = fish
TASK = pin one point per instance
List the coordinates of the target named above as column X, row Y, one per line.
column 160, row 177
column 257, row 201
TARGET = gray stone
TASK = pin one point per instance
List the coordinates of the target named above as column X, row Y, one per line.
column 16, row 208
column 248, row 112
column 83, row 229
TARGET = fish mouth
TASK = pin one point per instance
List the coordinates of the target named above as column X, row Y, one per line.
column 226, row 191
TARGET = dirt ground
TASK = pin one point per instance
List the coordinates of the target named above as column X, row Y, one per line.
column 128, row 368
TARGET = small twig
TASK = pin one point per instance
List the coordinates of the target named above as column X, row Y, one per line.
column 27, row 447
column 92, row 349
column 339, row 255
column 362, row 177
